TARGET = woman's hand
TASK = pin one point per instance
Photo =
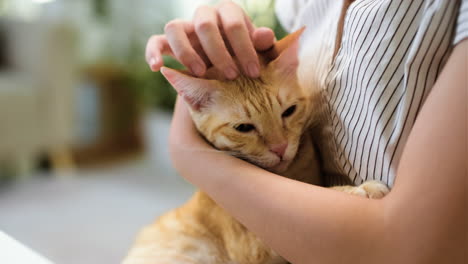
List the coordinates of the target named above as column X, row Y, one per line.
column 213, row 36
column 190, row 152
column 183, row 133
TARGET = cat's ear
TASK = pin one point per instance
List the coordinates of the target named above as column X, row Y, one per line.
column 197, row 93
column 287, row 60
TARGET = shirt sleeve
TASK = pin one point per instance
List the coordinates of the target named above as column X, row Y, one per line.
column 462, row 23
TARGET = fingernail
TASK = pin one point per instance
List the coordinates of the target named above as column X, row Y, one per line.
column 197, row 68
column 253, row 70
column 152, row 62
column 230, row 73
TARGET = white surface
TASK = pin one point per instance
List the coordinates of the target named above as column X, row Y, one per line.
column 13, row 252
column 93, row 216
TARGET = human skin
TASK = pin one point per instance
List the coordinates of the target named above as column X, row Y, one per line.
column 422, row 220
column 214, row 34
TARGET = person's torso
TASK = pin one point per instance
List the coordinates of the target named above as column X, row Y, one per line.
column 376, row 78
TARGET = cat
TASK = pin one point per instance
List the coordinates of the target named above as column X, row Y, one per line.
column 265, row 121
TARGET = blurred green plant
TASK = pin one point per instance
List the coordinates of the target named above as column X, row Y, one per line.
column 153, row 89
column 101, row 9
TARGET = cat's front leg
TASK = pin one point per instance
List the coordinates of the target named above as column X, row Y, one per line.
column 369, row 189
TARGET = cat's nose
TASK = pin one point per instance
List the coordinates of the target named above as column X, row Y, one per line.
column 279, row 149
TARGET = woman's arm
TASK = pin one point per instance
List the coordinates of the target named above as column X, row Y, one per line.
column 423, row 219
column 210, row 39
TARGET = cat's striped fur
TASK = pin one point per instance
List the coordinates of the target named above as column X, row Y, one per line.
column 202, row 232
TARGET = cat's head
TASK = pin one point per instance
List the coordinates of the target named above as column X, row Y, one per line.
column 260, row 120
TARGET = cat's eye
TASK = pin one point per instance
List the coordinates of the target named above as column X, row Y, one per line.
column 244, row 128
column 289, row 111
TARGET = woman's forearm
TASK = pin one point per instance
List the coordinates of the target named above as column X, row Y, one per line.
column 301, row 222
column 427, row 208
column 423, row 219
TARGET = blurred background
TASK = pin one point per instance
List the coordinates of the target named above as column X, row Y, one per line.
column 84, row 123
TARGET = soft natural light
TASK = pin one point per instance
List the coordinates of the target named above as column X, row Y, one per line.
column 42, row 1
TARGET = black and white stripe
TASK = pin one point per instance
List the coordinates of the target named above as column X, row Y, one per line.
column 390, row 55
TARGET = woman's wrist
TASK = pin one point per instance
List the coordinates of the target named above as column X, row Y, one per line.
column 191, row 155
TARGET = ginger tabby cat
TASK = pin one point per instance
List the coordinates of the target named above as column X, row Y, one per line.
column 265, row 121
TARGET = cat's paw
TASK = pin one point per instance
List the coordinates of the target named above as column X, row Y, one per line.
column 372, row 189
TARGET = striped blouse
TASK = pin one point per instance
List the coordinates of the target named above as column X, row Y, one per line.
column 377, row 75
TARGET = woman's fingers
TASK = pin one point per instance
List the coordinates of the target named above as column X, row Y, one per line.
column 237, row 32
column 176, row 34
column 209, row 35
column 199, row 49
column 156, row 47
column 212, row 39
column 263, row 38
